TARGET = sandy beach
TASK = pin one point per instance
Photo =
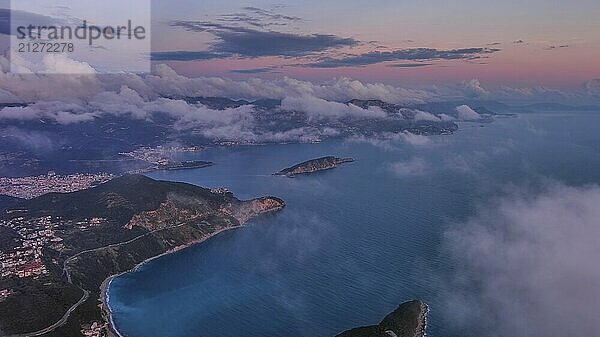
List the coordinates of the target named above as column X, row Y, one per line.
column 104, row 288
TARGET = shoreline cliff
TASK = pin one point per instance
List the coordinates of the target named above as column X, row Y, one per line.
column 408, row 320
column 106, row 231
column 247, row 211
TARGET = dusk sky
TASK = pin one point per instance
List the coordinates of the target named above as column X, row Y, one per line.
column 516, row 43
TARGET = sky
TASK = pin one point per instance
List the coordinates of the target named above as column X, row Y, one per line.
column 526, row 46
column 516, row 43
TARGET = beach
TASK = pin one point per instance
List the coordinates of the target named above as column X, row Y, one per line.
column 105, row 287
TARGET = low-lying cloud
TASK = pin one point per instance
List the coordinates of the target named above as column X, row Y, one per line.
column 35, row 141
column 425, row 116
column 465, row 113
column 474, row 88
column 390, row 141
column 318, row 108
column 164, row 81
column 528, row 264
column 412, row 167
column 593, row 87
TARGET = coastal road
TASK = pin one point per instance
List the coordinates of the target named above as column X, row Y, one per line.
column 67, row 261
column 86, row 293
column 60, row 322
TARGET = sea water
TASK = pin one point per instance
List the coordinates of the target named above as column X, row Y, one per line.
column 353, row 242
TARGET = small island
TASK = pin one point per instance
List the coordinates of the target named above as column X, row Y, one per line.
column 408, row 320
column 314, row 165
column 187, row 165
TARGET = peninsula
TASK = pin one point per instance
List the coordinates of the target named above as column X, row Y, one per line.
column 187, row 165
column 314, row 165
column 408, row 320
column 61, row 247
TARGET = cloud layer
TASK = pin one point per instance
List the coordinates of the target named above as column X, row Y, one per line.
column 305, row 111
column 467, row 114
column 318, row 108
column 250, row 42
column 416, row 54
column 412, row 167
column 533, row 262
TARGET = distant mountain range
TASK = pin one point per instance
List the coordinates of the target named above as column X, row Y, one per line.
column 36, row 146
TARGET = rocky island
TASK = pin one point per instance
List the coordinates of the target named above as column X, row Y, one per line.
column 408, row 320
column 314, row 165
column 61, row 247
column 186, row 165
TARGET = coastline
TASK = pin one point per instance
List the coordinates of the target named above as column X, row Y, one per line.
column 104, row 288
column 106, row 312
column 422, row 328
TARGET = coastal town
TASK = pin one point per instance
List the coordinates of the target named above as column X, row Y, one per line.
column 35, row 186
column 160, row 155
column 27, row 238
column 165, row 158
column 22, row 252
column 24, row 241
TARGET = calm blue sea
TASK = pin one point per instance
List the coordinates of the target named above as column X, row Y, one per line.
column 353, row 242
